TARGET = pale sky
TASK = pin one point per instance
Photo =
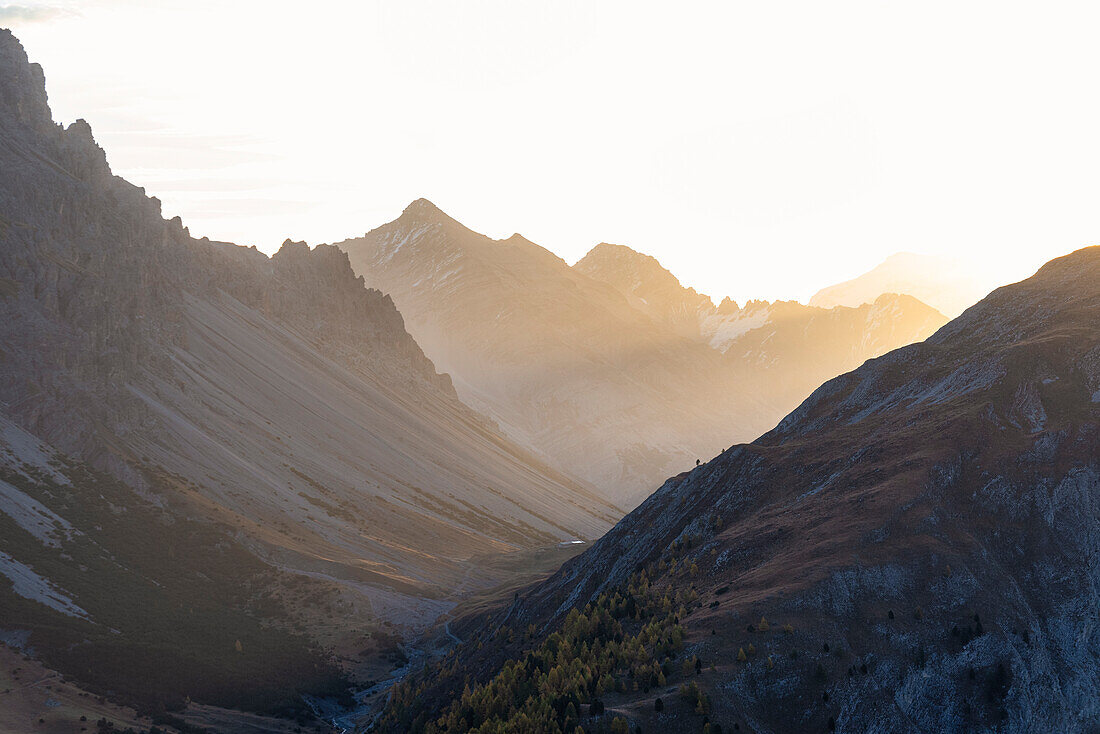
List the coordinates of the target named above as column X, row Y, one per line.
column 759, row 149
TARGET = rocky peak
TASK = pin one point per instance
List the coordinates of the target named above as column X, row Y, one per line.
column 25, row 115
column 22, row 87
column 424, row 211
column 652, row 288
column 633, row 272
column 292, row 249
column 323, row 261
column 728, row 307
column 626, row 261
column 756, row 303
column 82, row 156
column 519, row 240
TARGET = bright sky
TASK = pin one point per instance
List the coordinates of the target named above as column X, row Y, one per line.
column 758, row 149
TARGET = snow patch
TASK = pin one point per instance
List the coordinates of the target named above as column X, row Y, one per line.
column 19, row 448
column 394, row 245
column 721, row 331
column 29, row 585
column 34, row 517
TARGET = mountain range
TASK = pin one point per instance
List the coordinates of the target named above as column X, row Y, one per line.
column 611, row 369
column 233, row 482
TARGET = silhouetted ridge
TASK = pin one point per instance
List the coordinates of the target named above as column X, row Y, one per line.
column 728, row 307
column 23, row 85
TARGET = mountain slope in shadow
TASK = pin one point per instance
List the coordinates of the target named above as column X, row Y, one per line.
column 275, row 402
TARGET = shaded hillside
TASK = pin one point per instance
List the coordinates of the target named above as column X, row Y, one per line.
column 913, row 549
column 277, row 398
column 143, row 605
column 562, row 361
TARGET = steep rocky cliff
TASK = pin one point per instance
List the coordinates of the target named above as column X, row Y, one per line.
column 915, row 548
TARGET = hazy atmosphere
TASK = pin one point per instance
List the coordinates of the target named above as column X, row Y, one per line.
column 757, row 150
column 549, row 368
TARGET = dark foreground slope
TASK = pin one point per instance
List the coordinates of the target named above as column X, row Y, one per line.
column 921, row 535
column 142, row 605
column 274, row 402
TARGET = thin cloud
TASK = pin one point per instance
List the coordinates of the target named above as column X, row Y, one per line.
column 23, row 14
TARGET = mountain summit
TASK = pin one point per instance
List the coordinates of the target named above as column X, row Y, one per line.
column 424, row 210
column 649, row 286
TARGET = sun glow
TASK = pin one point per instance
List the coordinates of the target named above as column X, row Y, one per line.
column 756, row 150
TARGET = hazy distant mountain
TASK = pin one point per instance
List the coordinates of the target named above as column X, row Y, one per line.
column 648, row 286
column 786, row 350
column 564, row 362
column 940, row 282
column 915, row 548
column 870, row 329
column 611, row 368
column 779, row 352
column 276, row 402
